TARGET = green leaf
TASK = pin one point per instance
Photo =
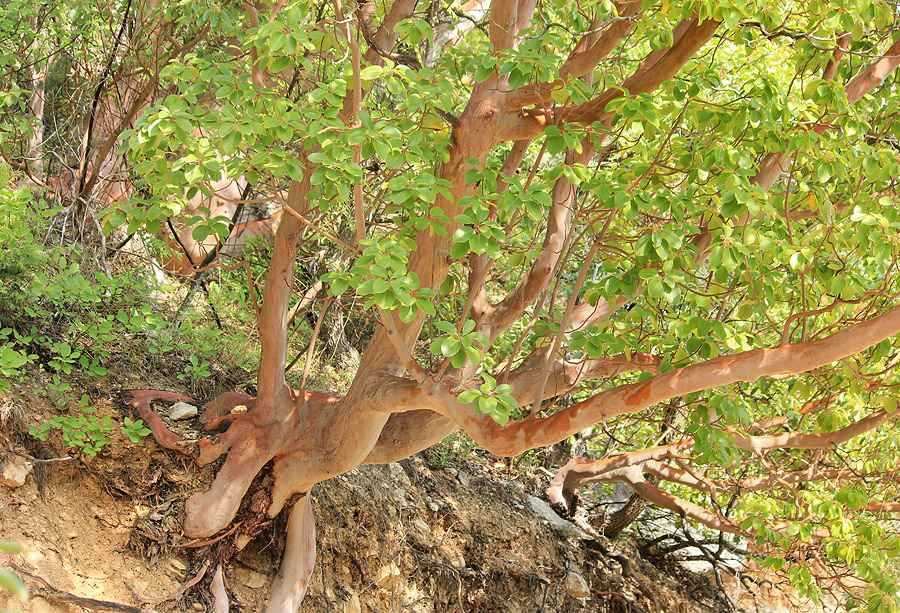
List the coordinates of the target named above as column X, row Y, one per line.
column 10, row 547
column 468, row 396
column 11, row 583
column 450, row 346
column 370, row 73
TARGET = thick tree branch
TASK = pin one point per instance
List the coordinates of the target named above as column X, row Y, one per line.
column 530, row 123
column 498, row 318
column 754, row 484
column 589, row 52
column 273, row 314
column 518, row 436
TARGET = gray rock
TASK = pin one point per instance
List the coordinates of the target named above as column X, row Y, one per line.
column 398, row 474
column 542, row 509
column 464, row 479
column 433, row 506
column 451, row 471
column 182, row 410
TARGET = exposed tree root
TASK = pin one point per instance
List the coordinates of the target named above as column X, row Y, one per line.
column 250, row 444
column 141, row 400
column 216, row 412
column 221, row 603
column 276, row 429
column 51, row 593
column 298, row 561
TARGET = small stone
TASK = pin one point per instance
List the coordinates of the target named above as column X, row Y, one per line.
column 198, row 606
column 389, row 576
column 398, row 474
column 178, row 564
column 459, row 562
column 352, row 605
column 451, row 471
column 576, row 586
column 464, row 479
column 421, row 526
column 182, row 410
column 433, row 506
column 14, row 472
column 551, row 518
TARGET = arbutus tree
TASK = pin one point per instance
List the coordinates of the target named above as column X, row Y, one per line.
column 666, row 213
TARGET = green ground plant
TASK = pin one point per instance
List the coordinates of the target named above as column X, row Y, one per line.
column 62, row 317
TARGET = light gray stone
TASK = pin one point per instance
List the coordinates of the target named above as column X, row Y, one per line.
column 542, row 509
column 182, row 410
column 398, row 474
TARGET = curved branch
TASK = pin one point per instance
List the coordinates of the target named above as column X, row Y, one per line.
column 589, row 52
column 498, row 318
column 753, row 484
column 632, row 475
column 650, row 75
column 518, row 436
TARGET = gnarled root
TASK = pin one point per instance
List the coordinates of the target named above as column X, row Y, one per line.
column 216, row 412
column 141, row 400
column 250, row 445
column 297, row 564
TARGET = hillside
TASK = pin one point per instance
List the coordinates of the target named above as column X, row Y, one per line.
column 446, row 530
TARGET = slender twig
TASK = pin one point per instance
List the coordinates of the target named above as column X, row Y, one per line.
column 37, row 460
column 312, row 344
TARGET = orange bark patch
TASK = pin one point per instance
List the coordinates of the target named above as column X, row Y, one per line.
column 639, row 396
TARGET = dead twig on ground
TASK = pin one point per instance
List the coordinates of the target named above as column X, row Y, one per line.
column 49, row 592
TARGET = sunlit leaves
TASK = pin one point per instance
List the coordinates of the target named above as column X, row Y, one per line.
column 459, row 345
column 491, row 399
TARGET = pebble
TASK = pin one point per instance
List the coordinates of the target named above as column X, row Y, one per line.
column 576, row 586
column 433, row 506
column 182, row 410
column 198, row 606
column 14, row 472
column 451, row 471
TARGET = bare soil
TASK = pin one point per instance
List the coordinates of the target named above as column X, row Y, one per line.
column 433, row 533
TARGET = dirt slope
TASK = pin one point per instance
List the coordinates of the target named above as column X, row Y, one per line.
column 422, row 535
